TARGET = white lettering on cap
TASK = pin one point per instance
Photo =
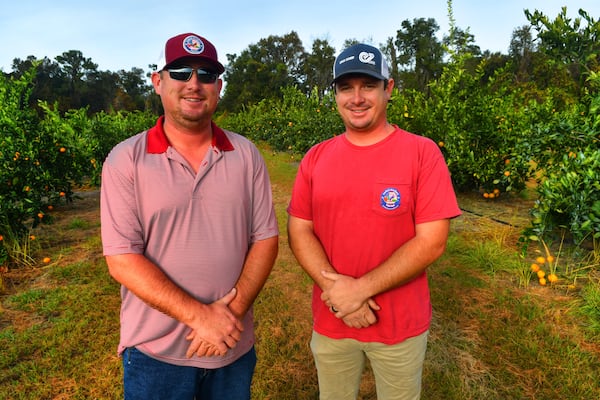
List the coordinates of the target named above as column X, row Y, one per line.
column 346, row 59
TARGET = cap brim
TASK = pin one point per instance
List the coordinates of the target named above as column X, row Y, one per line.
column 219, row 67
column 372, row 74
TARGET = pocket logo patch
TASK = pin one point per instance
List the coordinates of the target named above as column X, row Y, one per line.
column 390, row 199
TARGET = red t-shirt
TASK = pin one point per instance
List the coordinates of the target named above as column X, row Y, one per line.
column 364, row 202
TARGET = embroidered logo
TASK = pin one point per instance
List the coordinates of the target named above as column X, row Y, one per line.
column 390, row 199
column 366, row 58
column 193, row 45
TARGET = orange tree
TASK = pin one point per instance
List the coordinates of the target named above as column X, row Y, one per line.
column 43, row 159
column 39, row 160
column 482, row 125
column 569, row 183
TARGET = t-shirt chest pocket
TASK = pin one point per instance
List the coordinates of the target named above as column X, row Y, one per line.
column 391, row 199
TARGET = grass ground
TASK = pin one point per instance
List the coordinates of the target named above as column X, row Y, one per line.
column 490, row 338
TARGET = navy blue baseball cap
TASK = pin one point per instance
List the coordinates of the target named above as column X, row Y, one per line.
column 361, row 59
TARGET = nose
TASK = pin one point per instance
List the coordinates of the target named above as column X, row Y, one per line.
column 357, row 95
column 194, row 83
column 195, row 78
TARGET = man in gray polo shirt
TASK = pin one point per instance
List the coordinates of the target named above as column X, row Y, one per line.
column 189, row 230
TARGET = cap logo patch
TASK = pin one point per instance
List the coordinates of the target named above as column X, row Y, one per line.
column 390, row 199
column 193, row 45
column 366, row 58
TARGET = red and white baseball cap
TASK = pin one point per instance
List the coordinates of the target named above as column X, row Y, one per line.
column 189, row 46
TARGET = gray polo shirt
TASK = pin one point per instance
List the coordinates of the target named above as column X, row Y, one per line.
column 197, row 227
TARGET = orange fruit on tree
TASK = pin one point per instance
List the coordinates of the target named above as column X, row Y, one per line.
column 540, row 260
column 541, row 273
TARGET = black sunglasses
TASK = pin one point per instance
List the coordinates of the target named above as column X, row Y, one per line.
column 185, row 74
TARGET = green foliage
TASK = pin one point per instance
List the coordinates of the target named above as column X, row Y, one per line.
column 590, row 308
column 569, row 159
column 573, row 44
column 569, row 197
column 293, row 124
column 74, row 81
column 27, row 158
column 260, row 71
column 482, row 127
column 43, row 160
column 419, row 48
column 106, row 130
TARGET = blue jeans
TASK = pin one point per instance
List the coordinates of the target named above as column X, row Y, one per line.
column 146, row 378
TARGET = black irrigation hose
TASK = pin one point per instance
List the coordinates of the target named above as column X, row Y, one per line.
column 488, row 217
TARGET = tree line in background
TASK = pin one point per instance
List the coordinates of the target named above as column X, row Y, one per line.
column 501, row 120
column 562, row 51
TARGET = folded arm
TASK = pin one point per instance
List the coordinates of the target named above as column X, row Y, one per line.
column 311, row 256
column 213, row 324
column 257, row 267
column 406, row 263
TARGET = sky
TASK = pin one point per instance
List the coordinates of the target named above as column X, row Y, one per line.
column 120, row 35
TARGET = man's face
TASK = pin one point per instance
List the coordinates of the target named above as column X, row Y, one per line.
column 362, row 101
column 188, row 102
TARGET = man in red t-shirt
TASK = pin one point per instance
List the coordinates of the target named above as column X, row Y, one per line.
column 370, row 211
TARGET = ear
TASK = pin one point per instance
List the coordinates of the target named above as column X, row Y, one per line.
column 389, row 88
column 156, row 82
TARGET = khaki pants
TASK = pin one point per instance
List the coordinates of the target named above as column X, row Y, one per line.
column 397, row 368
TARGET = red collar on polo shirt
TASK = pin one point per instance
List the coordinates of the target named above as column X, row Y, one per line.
column 158, row 142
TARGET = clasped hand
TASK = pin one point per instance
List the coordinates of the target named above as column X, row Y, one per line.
column 344, row 298
column 215, row 330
